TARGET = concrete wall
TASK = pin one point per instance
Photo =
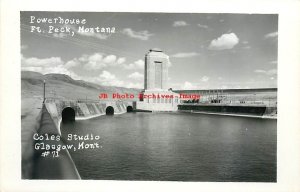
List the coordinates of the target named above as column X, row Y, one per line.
column 84, row 110
column 143, row 106
column 61, row 167
column 92, row 109
column 158, row 100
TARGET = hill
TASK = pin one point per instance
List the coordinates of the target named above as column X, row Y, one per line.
column 63, row 86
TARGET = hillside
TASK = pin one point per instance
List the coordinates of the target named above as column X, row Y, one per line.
column 63, row 86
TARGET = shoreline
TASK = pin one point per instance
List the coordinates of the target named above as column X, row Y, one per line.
column 231, row 114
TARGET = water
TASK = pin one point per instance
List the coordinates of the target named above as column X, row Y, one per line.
column 177, row 147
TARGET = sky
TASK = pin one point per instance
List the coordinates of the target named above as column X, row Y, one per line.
column 207, row 51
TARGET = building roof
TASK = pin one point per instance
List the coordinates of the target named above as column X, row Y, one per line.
column 156, row 52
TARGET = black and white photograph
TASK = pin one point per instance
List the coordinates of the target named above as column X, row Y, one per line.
column 139, row 96
column 146, row 96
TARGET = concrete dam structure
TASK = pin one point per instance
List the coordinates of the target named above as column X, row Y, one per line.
column 260, row 102
column 70, row 110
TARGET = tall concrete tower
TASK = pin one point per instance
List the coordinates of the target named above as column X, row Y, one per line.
column 156, row 70
column 156, row 96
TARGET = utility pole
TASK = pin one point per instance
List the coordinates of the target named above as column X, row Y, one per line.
column 44, row 96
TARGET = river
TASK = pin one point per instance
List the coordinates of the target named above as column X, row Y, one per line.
column 177, row 147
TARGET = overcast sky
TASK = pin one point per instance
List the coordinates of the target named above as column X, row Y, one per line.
column 207, row 51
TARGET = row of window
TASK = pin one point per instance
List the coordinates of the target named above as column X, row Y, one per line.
column 162, row 100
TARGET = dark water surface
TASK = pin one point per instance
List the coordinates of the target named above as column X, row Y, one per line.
column 177, row 147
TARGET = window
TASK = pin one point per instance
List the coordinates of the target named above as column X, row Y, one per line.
column 158, row 74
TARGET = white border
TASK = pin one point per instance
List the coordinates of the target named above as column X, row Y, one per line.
column 288, row 96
